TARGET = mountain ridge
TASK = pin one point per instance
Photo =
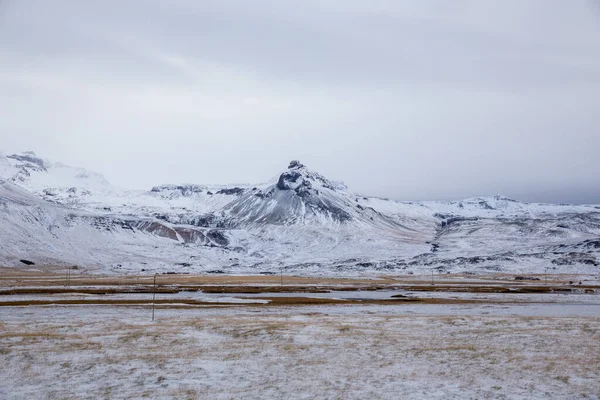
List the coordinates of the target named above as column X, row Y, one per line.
column 299, row 220
column 82, row 172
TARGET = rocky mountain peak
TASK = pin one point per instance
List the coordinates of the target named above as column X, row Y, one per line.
column 295, row 164
column 302, row 180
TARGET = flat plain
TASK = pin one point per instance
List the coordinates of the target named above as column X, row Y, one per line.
column 229, row 337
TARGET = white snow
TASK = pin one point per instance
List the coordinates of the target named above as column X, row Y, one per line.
column 56, row 214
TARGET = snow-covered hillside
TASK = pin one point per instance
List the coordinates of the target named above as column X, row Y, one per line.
column 301, row 221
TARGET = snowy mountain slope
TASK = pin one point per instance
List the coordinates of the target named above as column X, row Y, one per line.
column 34, row 229
column 55, row 214
column 34, row 173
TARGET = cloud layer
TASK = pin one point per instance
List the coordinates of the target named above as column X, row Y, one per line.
column 404, row 99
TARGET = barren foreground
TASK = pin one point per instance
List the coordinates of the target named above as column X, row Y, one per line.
column 341, row 352
column 231, row 338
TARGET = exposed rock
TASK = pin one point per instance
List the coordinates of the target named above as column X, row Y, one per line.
column 295, row 164
column 365, row 265
column 218, row 237
column 289, row 180
column 573, row 258
column 182, row 190
column 29, row 157
column 232, row 191
column 265, row 195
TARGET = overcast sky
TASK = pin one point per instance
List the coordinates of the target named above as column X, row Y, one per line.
column 422, row 99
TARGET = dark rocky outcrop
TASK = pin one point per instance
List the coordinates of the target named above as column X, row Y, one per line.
column 265, row 195
column 236, row 191
column 29, row 157
column 573, row 258
column 295, row 164
column 183, row 190
column 288, row 180
column 218, row 237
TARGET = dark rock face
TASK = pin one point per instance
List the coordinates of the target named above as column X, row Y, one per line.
column 504, row 198
column 218, row 237
column 236, row 191
column 366, row 265
column 300, row 181
column 29, row 157
column 209, row 238
column 450, row 220
column 306, row 190
column 428, row 260
column 295, row 164
column 288, row 179
column 202, row 237
column 295, row 180
column 304, row 184
column 162, row 217
column 184, row 190
column 27, row 262
column 205, row 221
column 184, row 264
column 592, row 244
column 576, row 258
column 105, row 223
column 265, row 195
column 485, row 205
column 336, row 213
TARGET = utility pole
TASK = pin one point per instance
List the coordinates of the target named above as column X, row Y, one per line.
column 153, row 296
column 68, row 277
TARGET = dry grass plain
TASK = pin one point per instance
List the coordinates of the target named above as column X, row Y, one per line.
column 355, row 352
column 294, row 347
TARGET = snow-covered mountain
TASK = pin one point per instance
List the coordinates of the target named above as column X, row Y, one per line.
column 54, row 214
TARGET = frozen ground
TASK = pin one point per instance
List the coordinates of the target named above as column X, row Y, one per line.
column 306, row 352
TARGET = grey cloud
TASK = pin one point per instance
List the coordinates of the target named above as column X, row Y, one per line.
column 403, row 99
